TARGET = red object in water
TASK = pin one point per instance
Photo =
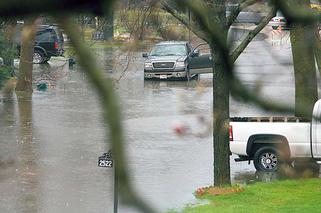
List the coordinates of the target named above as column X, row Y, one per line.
column 179, row 129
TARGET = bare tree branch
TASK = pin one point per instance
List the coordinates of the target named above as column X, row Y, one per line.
column 240, row 48
column 238, row 90
column 111, row 106
column 213, row 30
column 236, row 11
column 184, row 20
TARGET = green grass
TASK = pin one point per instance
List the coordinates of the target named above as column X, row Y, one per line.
column 291, row 196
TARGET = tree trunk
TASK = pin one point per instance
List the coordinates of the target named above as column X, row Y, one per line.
column 302, row 41
column 221, row 107
column 216, row 14
column 24, row 82
column 221, row 121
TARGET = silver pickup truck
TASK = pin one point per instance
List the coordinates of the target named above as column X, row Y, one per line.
column 271, row 140
column 176, row 60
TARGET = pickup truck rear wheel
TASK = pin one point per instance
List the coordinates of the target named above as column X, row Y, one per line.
column 38, row 57
column 267, row 159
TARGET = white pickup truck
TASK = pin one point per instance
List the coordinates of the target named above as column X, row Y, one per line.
column 268, row 141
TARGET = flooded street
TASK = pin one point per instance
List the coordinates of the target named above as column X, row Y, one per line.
column 50, row 142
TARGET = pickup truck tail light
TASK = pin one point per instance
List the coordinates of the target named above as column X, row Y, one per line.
column 231, row 132
column 56, row 46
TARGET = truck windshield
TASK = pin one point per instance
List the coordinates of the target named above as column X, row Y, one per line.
column 169, row 49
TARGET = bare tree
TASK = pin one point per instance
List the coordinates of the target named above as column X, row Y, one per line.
column 212, row 25
column 26, row 56
column 136, row 18
column 303, row 42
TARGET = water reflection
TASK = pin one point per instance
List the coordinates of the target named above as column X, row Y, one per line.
column 108, row 59
column 157, row 84
column 6, row 109
column 27, row 168
column 295, row 171
column 253, row 177
column 56, row 139
column 48, row 74
column 7, row 135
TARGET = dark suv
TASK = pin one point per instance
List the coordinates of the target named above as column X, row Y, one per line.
column 49, row 42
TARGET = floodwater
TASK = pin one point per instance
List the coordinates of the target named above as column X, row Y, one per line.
column 50, row 142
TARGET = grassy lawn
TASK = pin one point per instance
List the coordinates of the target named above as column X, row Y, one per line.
column 302, row 195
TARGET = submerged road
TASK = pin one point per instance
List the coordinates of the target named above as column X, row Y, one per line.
column 50, row 145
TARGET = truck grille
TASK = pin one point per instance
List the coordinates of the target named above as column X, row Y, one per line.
column 163, row 65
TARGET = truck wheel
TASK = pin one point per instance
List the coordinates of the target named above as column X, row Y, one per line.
column 267, row 159
column 38, row 57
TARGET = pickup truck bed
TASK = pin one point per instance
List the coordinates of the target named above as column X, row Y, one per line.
column 271, row 140
column 265, row 126
column 268, row 119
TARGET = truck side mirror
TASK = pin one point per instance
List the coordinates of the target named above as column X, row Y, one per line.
column 145, row 55
column 195, row 53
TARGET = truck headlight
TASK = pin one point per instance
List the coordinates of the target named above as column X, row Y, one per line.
column 180, row 64
column 148, row 65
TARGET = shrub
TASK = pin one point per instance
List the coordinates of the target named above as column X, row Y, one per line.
column 7, row 53
column 4, row 75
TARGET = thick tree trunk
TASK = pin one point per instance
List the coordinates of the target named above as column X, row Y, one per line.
column 221, row 121
column 24, row 82
column 302, row 41
column 221, row 110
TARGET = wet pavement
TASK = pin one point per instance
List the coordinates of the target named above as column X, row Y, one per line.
column 50, row 143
